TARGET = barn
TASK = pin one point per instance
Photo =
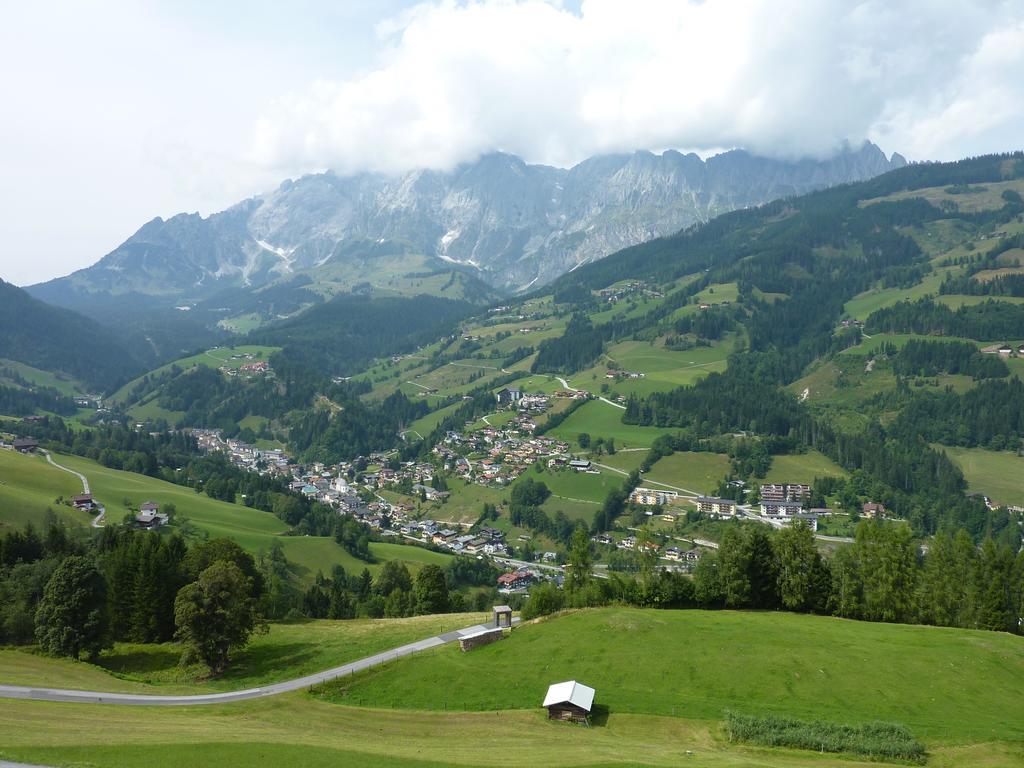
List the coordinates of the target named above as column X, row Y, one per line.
column 569, row 701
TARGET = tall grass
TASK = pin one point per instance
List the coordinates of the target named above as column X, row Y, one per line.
column 875, row 740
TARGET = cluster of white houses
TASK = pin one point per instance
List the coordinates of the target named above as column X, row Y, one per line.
column 266, row 461
column 781, row 503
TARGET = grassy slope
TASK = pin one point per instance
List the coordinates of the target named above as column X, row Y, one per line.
column 252, row 529
column 802, row 468
column 999, row 474
column 602, row 420
column 212, row 358
column 286, row 652
column 63, row 383
column 29, row 486
column 943, row 684
column 953, row 688
column 696, row 471
column 295, row 730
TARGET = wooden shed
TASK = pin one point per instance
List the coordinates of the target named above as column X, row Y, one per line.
column 570, row 701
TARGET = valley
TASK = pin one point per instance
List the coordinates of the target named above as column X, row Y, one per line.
column 827, row 386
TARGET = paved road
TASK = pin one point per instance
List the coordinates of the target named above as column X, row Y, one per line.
column 97, row 697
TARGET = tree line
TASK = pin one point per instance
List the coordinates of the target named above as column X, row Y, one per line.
column 882, row 576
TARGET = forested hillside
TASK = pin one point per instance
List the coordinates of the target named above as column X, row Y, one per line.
column 57, row 339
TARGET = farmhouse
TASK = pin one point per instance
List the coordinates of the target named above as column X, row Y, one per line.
column 570, row 701
column 580, row 465
column 149, row 515
column 82, row 501
column 25, row 444
column 712, row 506
column 871, row 510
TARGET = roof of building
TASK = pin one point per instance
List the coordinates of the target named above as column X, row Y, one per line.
column 570, row 692
column 503, row 609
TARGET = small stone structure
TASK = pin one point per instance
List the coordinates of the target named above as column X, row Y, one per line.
column 483, row 637
column 503, row 616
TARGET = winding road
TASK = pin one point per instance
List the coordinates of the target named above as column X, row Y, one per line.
column 36, row 693
column 98, row 521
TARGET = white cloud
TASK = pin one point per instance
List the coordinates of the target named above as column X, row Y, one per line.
column 118, row 111
column 781, row 77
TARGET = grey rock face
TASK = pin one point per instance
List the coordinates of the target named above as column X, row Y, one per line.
column 517, row 225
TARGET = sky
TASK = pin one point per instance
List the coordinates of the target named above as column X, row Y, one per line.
column 114, row 112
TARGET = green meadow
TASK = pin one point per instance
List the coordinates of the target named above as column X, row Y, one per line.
column 287, row 651
column 599, row 419
column 29, row 486
column 212, row 358
column 802, row 468
column 663, row 680
column 998, row 474
column 944, row 684
column 197, row 515
column 696, row 471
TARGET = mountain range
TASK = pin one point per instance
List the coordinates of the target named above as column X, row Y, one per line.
column 497, row 222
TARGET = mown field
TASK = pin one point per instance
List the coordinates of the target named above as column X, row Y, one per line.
column 802, row 468
column 196, row 514
column 998, row 474
column 695, row 471
column 944, row 684
column 663, row 679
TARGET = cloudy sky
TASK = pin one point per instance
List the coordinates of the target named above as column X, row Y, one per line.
column 114, row 112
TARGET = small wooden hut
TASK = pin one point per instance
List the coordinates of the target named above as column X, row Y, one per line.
column 570, row 701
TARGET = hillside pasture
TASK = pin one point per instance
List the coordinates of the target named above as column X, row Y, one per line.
column 217, row 357
column 61, row 382
column 29, row 486
column 802, row 468
column 599, row 419
column 198, row 516
column 696, row 471
column 287, row 651
column 998, row 474
column 944, row 684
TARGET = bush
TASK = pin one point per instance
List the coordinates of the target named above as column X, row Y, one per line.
column 876, row 740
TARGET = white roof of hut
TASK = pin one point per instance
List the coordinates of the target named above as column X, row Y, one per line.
column 570, row 692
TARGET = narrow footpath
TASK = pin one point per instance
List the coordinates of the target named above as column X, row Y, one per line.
column 97, row 522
